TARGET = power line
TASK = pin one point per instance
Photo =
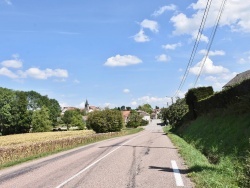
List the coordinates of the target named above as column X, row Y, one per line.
column 198, row 37
column 212, row 38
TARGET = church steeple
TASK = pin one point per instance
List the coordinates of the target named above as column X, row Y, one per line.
column 86, row 105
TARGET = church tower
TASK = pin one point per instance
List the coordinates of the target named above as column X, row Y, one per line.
column 86, row 106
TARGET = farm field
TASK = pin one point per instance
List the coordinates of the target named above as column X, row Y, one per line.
column 19, row 148
column 28, row 138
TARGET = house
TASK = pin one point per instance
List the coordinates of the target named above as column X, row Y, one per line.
column 238, row 79
column 145, row 115
column 64, row 109
column 89, row 108
column 155, row 113
column 125, row 116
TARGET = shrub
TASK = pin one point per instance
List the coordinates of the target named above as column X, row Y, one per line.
column 196, row 94
column 105, row 121
column 135, row 119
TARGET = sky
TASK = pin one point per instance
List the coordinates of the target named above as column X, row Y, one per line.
column 120, row 52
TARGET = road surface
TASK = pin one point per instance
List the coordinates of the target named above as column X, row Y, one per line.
column 147, row 160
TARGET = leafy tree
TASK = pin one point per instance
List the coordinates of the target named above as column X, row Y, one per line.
column 54, row 110
column 175, row 113
column 135, row 119
column 123, row 108
column 41, row 121
column 67, row 118
column 73, row 118
column 146, row 108
column 21, row 117
column 128, row 108
column 7, row 97
column 78, row 121
column 105, row 121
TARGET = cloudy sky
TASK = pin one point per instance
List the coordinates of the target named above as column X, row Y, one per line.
column 119, row 52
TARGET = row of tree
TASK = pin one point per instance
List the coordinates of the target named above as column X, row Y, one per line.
column 21, row 112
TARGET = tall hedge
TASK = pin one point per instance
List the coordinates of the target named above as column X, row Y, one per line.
column 194, row 95
column 105, row 121
column 224, row 98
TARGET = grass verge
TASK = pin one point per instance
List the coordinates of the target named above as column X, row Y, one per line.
column 227, row 172
column 15, row 154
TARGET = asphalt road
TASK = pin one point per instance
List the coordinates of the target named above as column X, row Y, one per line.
column 147, row 160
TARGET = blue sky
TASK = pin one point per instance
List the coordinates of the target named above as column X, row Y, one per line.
column 119, row 52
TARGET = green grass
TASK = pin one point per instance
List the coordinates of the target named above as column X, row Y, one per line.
column 215, row 150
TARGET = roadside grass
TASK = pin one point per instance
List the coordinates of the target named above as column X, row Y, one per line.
column 215, row 150
column 27, row 147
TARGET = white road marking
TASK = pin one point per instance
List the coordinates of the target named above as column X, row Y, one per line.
column 83, row 170
column 177, row 174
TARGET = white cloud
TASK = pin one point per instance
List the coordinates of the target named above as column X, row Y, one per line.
column 218, row 81
column 150, row 24
column 6, row 72
column 133, row 103
column 236, row 15
column 171, row 46
column 126, row 91
column 161, row 10
column 13, row 63
column 163, row 58
column 152, row 100
column 8, row 2
column 125, row 60
column 76, row 81
column 44, row 74
column 212, row 53
column 244, row 59
column 141, row 37
column 208, row 68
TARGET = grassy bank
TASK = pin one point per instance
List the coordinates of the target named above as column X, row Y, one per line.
column 216, row 150
column 16, row 149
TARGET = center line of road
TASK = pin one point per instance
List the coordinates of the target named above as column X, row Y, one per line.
column 177, row 174
column 83, row 170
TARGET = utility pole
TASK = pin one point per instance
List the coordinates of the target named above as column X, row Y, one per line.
column 172, row 99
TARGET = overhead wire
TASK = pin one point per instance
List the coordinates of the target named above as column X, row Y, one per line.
column 196, row 44
column 211, row 40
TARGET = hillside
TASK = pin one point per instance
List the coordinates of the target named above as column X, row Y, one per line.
column 225, row 142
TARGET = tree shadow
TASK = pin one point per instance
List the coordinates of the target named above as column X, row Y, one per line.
column 138, row 146
column 195, row 168
column 161, row 124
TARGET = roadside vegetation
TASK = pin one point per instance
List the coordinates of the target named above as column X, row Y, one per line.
column 213, row 135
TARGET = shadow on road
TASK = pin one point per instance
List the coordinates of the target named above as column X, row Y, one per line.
column 183, row 171
column 138, row 147
column 161, row 124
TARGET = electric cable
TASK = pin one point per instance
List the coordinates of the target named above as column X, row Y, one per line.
column 212, row 38
column 198, row 37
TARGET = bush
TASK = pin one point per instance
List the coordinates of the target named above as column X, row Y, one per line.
column 196, row 94
column 135, row 119
column 105, row 121
column 175, row 113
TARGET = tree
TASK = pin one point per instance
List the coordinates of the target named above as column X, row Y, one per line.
column 21, row 117
column 135, row 119
column 123, row 108
column 78, row 121
column 105, row 121
column 146, row 108
column 128, row 108
column 54, row 110
column 41, row 121
column 73, row 118
column 175, row 113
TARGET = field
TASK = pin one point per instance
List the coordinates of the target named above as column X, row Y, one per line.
column 28, row 138
column 18, row 148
